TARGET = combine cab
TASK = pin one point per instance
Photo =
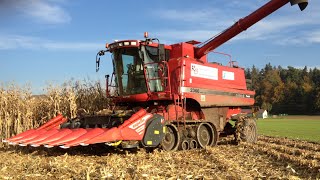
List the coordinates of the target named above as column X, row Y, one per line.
column 166, row 96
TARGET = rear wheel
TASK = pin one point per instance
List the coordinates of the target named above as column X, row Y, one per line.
column 171, row 139
column 246, row 130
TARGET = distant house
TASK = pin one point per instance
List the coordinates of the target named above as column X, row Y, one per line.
column 262, row 113
column 258, row 114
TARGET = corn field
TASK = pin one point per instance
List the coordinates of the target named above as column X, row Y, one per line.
column 269, row 158
column 21, row 110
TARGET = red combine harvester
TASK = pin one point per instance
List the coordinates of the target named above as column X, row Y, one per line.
column 166, row 96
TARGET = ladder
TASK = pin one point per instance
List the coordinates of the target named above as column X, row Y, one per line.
column 180, row 100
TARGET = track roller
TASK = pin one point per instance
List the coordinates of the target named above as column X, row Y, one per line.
column 184, row 145
column 193, row 144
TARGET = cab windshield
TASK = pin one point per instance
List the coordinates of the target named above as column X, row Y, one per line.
column 129, row 69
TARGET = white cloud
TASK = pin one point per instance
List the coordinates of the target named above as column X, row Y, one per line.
column 184, row 35
column 308, row 67
column 314, row 37
column 302, row 38
column 195, row 18
column 276, row 28
column 73, row 46
column 8, row 42
column 178, row 15
column 289, row 27
column 44, row 11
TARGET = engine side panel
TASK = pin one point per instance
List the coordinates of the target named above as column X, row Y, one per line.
column 217, row 116
column 210, row 84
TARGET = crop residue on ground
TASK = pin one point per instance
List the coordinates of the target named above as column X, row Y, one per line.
column 277, row 158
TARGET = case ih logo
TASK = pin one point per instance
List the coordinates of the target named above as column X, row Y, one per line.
column 204, row 71
column 140, row 124
column 194, row 69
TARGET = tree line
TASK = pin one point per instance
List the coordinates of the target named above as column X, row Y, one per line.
column 286, row 90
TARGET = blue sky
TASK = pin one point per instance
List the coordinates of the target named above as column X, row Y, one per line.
column 51, row 41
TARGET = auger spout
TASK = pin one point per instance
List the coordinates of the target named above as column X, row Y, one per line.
column 302, row 3
column 244, row 23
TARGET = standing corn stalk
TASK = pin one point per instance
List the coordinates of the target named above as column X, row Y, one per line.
column 21, row 110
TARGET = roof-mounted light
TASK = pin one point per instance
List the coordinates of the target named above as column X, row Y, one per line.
column 121, row 44
column 146, row 34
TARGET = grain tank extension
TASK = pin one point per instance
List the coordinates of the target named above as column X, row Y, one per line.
column 167, row 96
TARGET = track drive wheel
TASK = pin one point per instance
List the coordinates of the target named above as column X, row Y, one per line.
column 206, row 135
column 246, row 130
column 171, row 139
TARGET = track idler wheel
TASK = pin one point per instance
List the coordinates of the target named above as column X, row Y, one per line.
column 171, row 139
column 206, row 135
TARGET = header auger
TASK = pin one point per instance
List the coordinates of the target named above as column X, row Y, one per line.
column 167, row 96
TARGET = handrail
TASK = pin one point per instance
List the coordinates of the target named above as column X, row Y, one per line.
column 167, row 88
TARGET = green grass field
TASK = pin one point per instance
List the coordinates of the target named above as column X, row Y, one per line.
column 294, row 127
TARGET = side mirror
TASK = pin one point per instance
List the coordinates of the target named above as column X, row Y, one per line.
column 100, row 53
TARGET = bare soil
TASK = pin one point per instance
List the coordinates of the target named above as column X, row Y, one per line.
column 269, row 158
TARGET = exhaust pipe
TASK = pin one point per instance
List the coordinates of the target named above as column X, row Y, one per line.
column 302, row 3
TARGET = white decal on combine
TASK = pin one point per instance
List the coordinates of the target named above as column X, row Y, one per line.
column 227, row 75
column 203, row 97
column 140, row 124
column 204, row 71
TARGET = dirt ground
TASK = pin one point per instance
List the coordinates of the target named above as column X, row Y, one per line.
column 269, row 158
